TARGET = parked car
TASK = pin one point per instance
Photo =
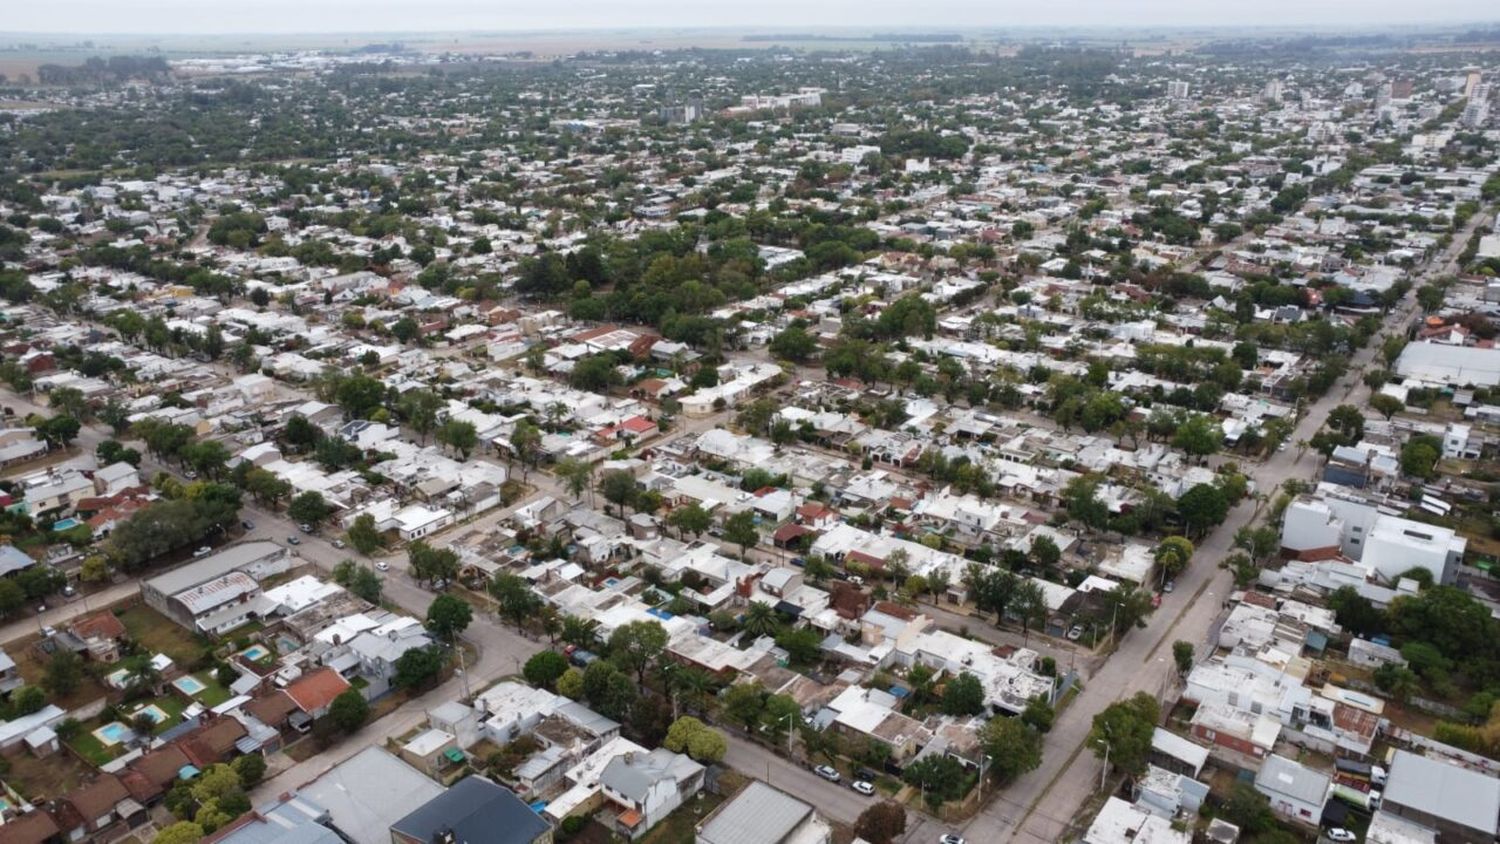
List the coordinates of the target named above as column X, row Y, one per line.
column 863, row 787
column 1169, row 586
column 827, row 773
column 382, row 565
column 305, row 527
column 48, row 632
column 292, row 540
column 339, row 543
column 203, row 551
column 69, row 591
column 1075, row 632
column 950, row 838
column 247, row 525
column 583, row 658
column 1338, row 833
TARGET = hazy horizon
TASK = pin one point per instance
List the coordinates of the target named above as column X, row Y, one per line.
column 282, row 17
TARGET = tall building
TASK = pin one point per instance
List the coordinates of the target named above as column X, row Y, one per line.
column 1471, row 81
column 1273, row 92
column 1177, row 89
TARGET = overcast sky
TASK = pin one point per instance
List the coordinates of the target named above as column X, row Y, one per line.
column 292, row 16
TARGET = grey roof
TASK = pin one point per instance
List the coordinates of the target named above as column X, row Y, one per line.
column 1283, row 776
column 368, row 792
column 633, row 774
column 477, row 811
column 212, row 566
column 758, row 815
column 13, row 559
column 1464, row 797
column 293, row 821
column 587, row 719
column 1459, row 365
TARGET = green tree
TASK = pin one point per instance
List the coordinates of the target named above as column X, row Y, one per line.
column 309, row 508
column 802, row 644
column 64, row 672
column 458, row 435
column 1202, row 507
column 940, row 777
column 619, row 488
column 794, row 344
column 963, row 695
column 348, row 711
column 1386, row 405
column 1014, row 746
column 636, row 646
column 448, row 616
column 418, row 668
column 544, row 668
column 1198, row 435
column 250, row 769
column 363, row 535
column 690, row 519
column 744, row 703
column 570, row 684
column 181, row 832
column 1182, row 654
column 420, row 409
column 1123, row 731
column 691, row 736
column 761, row 619
column 1174, row 553
column 881, row 823
column 516, row 600
column 740, row 529
column 608, row 692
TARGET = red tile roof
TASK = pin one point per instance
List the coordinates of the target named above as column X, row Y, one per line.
column 313, row 692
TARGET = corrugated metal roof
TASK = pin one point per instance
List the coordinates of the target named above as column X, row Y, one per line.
column 1464, row 797
column 759, row 815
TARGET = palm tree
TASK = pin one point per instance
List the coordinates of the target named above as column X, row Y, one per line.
column 689, row 686
column 582, row 632
column 761, row 620
column 551, row 622
column 141, row 675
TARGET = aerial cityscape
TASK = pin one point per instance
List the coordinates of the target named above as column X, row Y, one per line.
column 899, row 431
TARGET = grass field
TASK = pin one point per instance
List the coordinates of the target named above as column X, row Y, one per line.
column 159, row 634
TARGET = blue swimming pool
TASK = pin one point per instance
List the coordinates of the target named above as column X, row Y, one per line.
column 112, row 733
column 66, row 524
column 256, row 653
column 189, row 685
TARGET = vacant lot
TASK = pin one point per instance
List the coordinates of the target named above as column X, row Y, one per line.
column 159, row 634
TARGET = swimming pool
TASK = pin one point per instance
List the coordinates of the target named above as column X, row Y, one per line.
column 66, row 524
column 256, row 653
column 154, row 712
column 112, row 733
column 189, row 685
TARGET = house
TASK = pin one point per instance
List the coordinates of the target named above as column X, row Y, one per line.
column 10, row 675
column 761, row 814
column 474, row 810
column 1455, row 801
column 86, row 812
column 314, row 692
column 115, row 479
column 432, row 751
column 35, row 827
column 13, row 559
column 648, row 787
column 366, row 793
column 294, row 820
column 1120, row 822
column 100, row 635
column 1296, row 791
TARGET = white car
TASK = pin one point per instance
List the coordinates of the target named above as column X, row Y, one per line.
column 383, row 565
column 203, row 552
column 863, row 787
column 1075, row 633
column 1340, row 834
column 827, row 773
column 950, row 838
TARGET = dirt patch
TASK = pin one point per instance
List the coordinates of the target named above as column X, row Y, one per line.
column 39, row 780
column 33, row 667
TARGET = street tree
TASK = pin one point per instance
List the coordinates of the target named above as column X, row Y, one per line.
column 448, row 616
column 1123, row 731
column 1014, row 747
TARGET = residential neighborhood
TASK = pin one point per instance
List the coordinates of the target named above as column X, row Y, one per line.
column 979, row 439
